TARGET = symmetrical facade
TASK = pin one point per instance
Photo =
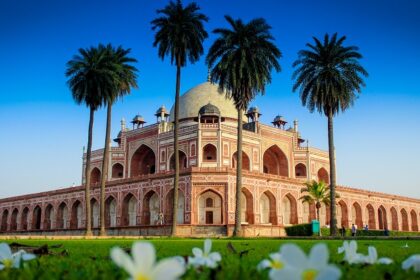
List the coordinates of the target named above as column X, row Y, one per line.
column 140, row 180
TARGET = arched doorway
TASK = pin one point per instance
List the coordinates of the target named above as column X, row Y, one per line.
column 289, row 210
column 143, row 162
column 95, row 176
column 151, row 208
column 300, row 170
column 129, row 210
column 275, row 162
column 245, row 161
column 414, row 221
column 4, row 218
column 76, row 215
column 24, row 219
column 182, row 161
column 306, row 212
column 394, row 219
column 343, row 219
column 356, row 215
column 117, row 171
column 268, row 208
column 36, row 218
column 247, row 207
column 94, row 212
column 62, row 216
column 382, row 220
column 209, row 208
column 48, row 217
column 404, row 219
column 371, row 216
column 14, row 219
column 209, row 153
column 323, row 176
column 169, row 205
column 110, row 212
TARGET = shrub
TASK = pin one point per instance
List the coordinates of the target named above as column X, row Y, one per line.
column 299, row 230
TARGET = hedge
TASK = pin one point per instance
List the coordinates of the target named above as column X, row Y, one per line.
column 299, row 230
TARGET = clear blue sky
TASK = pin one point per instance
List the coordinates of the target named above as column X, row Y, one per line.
column 43, row 131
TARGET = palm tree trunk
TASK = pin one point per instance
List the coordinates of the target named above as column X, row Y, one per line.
column 176, row 148
column 237, row 228
column 331, row 151
column 105, row 163
column 87, row 174
column 317, row 218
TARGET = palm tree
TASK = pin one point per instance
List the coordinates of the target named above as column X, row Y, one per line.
column 329, row 76
column 88, row 80
column 124, row 78
column 179, row 34
column 241, row 60
column 317, row 193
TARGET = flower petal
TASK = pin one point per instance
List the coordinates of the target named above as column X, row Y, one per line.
column 122, row 259
column 293, row 255
column 197, row 252
column 318, row 257
column 5, row 251
column 215, row 256
column 330, row 272
column 207, row 246
column 144, row 256
column 289, row 273
column 385, row 261
column 168, row 269
column 372, row 257
column 264, row 264
column 28, row 257
column 1, row 266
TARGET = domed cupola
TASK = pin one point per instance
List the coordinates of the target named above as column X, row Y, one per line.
column 138, row 120
column 209, row 114
column 253, row 114
column 279, row 122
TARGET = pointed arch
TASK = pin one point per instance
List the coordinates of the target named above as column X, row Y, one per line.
column 246, row 165
column 36, row 218
column 48, row 216
column 24, row 219
column 143, row 161
column 356, row 215
column 14, row 220
column 275, row 162
column 94, row 208
column 117, row 171
column 404, row 220
column 76, row 215
column 371, row 216
column 414, row 221
column 323, row 176
column 343, row 218
column 210, row 208
column 300, row 170
column 247, row 207
column 210, row 153
column 183, row 161
column 151, row 208
column 382, row 219
column 394, row 219
column 268, row 208
column 129, row 210
column 169, row 205
column 95, row 176
column 4, row 218
column 289, row 210
column 110, row 212
column 62, row 216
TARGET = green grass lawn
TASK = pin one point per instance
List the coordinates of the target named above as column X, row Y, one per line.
column 89, row 259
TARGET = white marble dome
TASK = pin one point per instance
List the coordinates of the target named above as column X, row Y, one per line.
column 203, row 94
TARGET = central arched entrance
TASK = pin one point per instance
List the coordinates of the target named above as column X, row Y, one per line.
column 275, row 162
column 210, row 208
column 143, row 162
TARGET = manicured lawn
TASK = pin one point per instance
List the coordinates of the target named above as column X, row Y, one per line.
column 89, row 259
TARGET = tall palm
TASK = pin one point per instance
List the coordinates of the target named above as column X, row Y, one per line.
column 329, row 77
column 88, row 79
column 124, row 79
column 179, row 34
column 241, row 60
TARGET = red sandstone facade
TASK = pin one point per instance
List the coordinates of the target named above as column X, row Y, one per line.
column 139, row 190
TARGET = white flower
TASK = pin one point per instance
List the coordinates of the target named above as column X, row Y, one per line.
column 372, row 257
column 204, row 258
column 350, row 253
column 299, row 266
column 275, row 262
column 143, row 265
column 413, row 261
column 9, row 259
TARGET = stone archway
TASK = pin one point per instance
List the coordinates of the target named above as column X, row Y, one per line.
column 48, row 217
column 110, row 212
column 24, row 219
column 117, row 171
column 268, row 207
column 14, row 220
column 95, row 176
column 36, row 218
column 382, row 219
column 246, row 165
column 4, row 218
column 323, row 176
column 94, row 205
column 143, row 162
column 414, row 221
column 129, row 210
column 151, row 208
column 343, row 220
column 275, row 162
column 289, row 210
column 183, row 162
column 210, row 208
column 300, row 170
column 394, row 219
column 62, row 216
column 247, row 207
column 356, row 215
column 404, row 220
column 169, row 205
column 209, row 153
column 76, row 215
column 370, row 211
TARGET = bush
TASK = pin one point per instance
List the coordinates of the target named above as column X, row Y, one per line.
column 299, row 230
